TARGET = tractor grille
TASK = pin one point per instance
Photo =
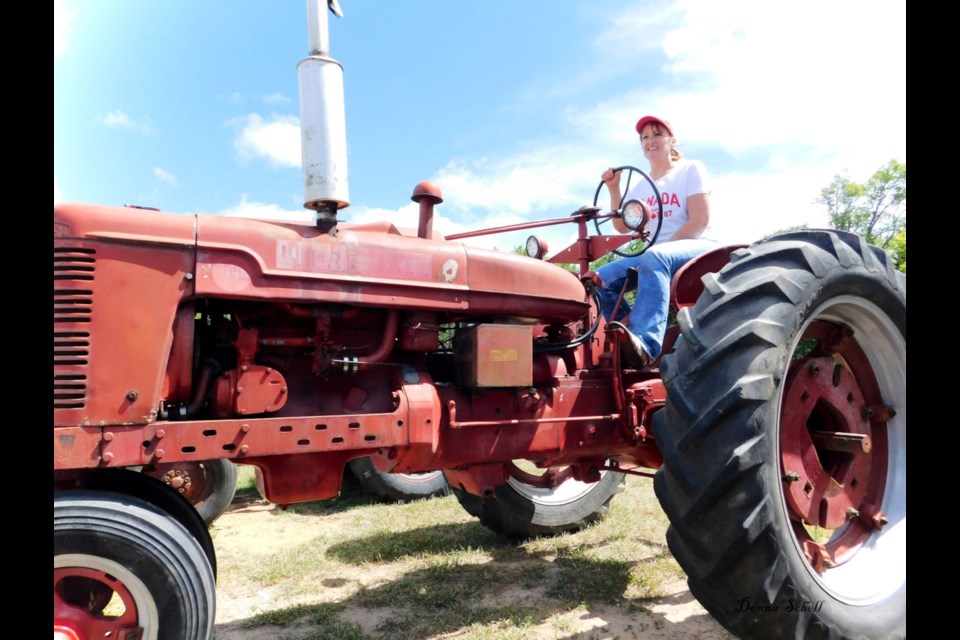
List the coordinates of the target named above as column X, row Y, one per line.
column 73, row 274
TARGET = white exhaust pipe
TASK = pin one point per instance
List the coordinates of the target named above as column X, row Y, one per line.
column 323, row 128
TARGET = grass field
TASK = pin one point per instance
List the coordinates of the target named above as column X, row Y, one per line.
column 352, row 568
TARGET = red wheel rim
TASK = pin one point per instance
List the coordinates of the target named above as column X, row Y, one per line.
column 833, row 446
column 80, row 597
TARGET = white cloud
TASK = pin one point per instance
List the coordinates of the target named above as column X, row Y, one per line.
column 814, row 90
column 276, row 140
column 636, row 32
column 265, row 211
column 549, row 183
column 517, row 185
column 165, row 176
column 117, row 119
column 57, row 195
column 238, row 98
column 825, row 76
column 822, row 73
column 811, row 91
column 748, row 207
column 276, row 98
column 62, row 27
column 405, row 218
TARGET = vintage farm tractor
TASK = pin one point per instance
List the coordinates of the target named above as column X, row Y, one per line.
column 775, row 423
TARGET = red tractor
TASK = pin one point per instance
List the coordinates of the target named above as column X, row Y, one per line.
column 775, row 422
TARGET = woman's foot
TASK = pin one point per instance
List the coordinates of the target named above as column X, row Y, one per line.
column 632, row 352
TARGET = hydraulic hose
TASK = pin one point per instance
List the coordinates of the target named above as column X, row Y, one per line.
column 551, row 348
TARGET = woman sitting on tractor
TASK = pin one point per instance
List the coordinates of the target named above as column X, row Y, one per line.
column 684, row 234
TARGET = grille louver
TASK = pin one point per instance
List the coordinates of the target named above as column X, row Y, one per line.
column 73, row 275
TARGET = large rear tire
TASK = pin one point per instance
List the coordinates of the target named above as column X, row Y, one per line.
column 122, row 566
column 532, row 504
column 784, row 441
column 398, row 487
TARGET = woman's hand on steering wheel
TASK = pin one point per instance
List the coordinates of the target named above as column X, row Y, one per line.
column 611, row 178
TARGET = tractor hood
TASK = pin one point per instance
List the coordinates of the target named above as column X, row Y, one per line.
column 368, row 265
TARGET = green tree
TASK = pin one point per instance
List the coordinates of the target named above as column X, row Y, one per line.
column 875, row 209
column 898, row 247
column 630, row 248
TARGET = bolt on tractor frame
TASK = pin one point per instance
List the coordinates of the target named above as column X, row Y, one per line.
column 774, row 429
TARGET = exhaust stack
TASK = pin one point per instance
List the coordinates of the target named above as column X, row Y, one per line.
column 323, row 128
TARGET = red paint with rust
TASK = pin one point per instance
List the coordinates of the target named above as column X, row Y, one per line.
column 184, row 338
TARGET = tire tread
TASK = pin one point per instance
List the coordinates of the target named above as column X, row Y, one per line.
column 715, row 482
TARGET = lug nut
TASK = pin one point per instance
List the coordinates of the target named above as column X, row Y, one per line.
column 878, row 520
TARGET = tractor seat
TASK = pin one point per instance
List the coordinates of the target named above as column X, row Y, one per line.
column 687, row 283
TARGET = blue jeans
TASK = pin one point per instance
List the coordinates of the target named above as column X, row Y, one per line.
column 655, row 269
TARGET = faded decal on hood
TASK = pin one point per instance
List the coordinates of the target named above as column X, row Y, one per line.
column 448, row 273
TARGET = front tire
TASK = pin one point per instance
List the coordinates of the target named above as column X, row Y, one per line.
column 209, row 485
column 784, row 441
column 120, row 564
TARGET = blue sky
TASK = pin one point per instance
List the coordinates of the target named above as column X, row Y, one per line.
column 513, row 108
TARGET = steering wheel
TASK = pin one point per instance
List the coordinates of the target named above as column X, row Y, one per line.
column 641, row 225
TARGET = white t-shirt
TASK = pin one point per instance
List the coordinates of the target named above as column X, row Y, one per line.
column 686, row 178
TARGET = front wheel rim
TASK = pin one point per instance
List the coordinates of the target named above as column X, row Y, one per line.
column 101, row 575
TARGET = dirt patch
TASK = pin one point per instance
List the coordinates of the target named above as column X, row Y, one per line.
column 252, row 536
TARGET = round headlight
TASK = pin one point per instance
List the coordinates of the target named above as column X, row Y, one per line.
column 636, row 214
column 535, row 247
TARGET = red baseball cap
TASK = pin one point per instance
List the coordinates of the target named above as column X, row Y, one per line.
column 645, row 120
